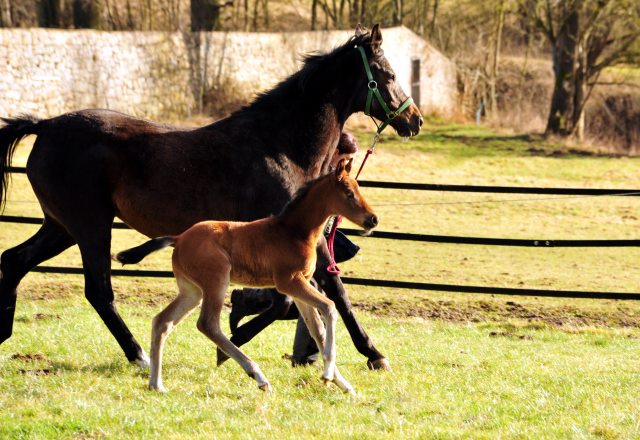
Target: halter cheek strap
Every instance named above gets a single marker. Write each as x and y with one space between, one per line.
333 268
373 90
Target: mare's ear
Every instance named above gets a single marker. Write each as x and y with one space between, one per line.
347 167
376 38
339 170
359 30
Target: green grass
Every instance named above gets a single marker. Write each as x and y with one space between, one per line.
575 373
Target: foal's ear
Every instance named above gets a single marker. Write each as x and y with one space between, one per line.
347 167
376 38
359 30
339 169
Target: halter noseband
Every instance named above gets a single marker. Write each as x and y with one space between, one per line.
373 90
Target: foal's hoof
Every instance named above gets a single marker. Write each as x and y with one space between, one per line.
266 387
222 357
159 389
379 364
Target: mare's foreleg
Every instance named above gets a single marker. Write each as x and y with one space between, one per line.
336 292
189 298
50 240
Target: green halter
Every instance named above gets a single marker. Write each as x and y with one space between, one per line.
373 89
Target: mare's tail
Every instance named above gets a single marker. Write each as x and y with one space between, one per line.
137 254
10 135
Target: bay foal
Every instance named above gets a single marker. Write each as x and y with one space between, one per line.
277 252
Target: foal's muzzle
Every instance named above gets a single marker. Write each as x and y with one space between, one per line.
371 222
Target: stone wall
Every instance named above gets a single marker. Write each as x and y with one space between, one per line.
163 75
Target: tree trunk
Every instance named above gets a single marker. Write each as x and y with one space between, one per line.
265 4
205 15
314 14
433 19
49 13
5 13
398 16
564 58
86 14
493 107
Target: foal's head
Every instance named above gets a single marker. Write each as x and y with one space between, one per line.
346 199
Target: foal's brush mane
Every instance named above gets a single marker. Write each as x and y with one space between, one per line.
313 62
300 194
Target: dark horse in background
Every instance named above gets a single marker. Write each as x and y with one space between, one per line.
88 167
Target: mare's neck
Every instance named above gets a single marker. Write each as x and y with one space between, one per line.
304 123
306 217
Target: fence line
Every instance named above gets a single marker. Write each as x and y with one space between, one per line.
475 188
540 243
424 238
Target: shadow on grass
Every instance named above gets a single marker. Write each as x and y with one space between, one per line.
108 369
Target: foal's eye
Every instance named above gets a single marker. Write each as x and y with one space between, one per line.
350 195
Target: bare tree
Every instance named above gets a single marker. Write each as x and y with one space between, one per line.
586 36
5 13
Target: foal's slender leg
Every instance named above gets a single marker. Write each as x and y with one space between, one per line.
214 289
302 291
246 332
50 240
316 328
333 287
189 298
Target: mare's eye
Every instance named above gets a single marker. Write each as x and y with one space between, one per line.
392 77
350 195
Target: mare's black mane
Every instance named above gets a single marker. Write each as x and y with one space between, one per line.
313 62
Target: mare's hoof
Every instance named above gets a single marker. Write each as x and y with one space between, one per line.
143 363
379 364
266 387
222 357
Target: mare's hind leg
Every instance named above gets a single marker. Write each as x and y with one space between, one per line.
189 298
94 242
50 240
316 328
214 290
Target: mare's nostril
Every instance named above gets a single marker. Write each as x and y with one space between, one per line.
421 121
374 220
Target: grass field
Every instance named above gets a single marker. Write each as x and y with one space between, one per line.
465 366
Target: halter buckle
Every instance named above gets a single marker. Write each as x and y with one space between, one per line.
391 115
375 85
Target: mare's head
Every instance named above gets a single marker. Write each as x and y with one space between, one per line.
346 199
408 121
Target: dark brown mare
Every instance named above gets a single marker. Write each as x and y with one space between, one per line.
276 251
88 167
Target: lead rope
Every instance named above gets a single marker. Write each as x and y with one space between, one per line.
333 268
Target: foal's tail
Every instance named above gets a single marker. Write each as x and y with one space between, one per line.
10 135
137 254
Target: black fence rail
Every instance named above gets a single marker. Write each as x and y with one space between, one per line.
540 243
